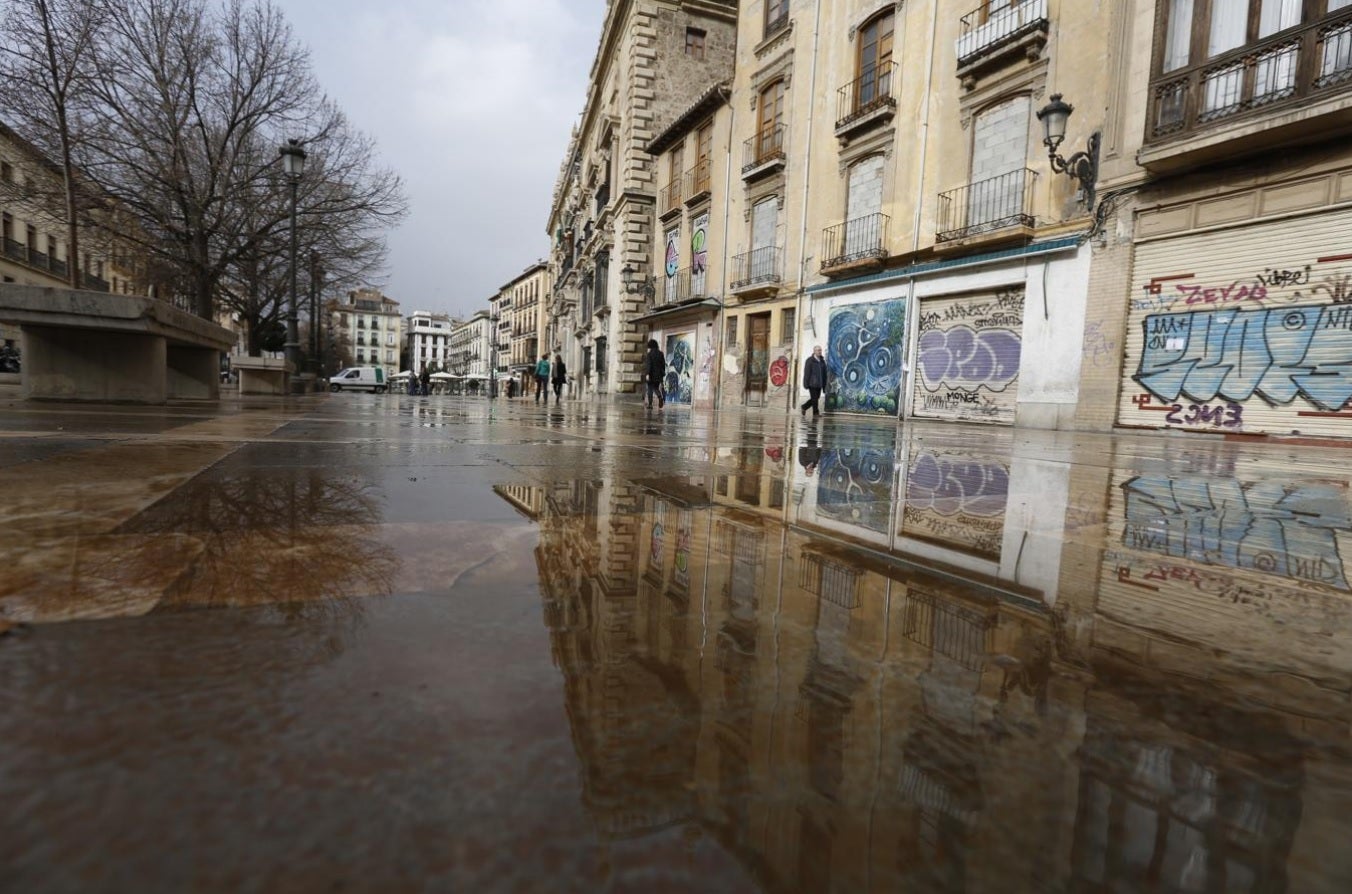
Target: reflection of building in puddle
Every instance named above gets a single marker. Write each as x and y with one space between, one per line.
956 500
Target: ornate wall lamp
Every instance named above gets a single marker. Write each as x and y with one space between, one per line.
647 287
1083 166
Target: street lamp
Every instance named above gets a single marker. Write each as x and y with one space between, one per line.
493 355
1083 166
647 287
293 165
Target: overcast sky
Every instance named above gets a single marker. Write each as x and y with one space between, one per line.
471 102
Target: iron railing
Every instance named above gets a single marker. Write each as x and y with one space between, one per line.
855 240
670 197
96 283
1310 61
986 206
871 91
760 265
985 30
38 260
957 632
765 147
698 179
676 287
835 582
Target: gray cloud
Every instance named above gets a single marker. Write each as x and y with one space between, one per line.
471 102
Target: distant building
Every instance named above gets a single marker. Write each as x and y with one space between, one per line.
371 324
429 340
524 303
471 346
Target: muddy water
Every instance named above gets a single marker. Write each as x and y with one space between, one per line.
399 645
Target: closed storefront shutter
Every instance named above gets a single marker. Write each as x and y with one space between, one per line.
967 358
1243 330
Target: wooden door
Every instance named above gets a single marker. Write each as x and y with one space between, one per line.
757 354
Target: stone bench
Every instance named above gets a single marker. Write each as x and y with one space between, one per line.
263 375
95 346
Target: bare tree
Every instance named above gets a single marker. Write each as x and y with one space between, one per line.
46 51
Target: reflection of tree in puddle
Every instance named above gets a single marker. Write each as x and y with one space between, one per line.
300 539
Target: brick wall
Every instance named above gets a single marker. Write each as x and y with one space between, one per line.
1000 139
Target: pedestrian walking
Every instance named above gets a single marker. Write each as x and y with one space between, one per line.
542 379
655 374
559 377
814 380
424 378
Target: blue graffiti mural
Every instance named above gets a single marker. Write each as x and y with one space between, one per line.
855 486
864 355
1276 354
1284 529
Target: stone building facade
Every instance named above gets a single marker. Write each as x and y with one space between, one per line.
524 303
655 58
429 340
369 322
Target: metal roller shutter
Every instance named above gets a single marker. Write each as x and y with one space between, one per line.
967 357
1243 330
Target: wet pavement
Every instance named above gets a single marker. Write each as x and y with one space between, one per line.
384 643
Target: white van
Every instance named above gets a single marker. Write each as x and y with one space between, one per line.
356 378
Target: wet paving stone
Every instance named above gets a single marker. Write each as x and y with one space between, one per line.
386 643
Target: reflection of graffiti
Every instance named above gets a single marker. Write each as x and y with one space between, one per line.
1276 354
958 501
864 356
658 544
855 486
1284 529
779 372
681 570
680 368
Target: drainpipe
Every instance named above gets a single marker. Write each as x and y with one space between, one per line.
721 325
807 179
912 311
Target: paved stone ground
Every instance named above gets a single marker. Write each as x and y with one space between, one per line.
384 643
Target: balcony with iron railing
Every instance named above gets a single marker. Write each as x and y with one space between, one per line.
764 153
17 251
855 243
1291 86
698 181
989 37
756 269
677 287
867 100
669 199
1000 207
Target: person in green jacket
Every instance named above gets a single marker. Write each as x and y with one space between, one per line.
542 378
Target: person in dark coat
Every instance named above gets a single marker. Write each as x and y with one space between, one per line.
814 380
655 374
424 379
559 377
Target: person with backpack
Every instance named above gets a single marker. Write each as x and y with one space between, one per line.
655 374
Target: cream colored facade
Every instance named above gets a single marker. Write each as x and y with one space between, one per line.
524 305
655 58
1218 283
372 326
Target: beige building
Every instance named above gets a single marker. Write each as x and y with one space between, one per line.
369 322
524 305
1221 274
429 340
655 58
34 238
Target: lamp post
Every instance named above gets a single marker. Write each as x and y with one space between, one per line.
1083 166
493 354
293 165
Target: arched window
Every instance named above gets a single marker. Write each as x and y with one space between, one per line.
874 62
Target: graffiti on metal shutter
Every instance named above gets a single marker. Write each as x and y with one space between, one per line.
680 367
967 357
864 354
1225 339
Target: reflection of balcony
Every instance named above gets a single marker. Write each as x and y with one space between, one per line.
957 632
756 269
764 153
866 101
999 205
669 199
697 181
856 242
991 37
1289 87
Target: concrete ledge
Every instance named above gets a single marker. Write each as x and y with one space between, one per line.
263 375
96 346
